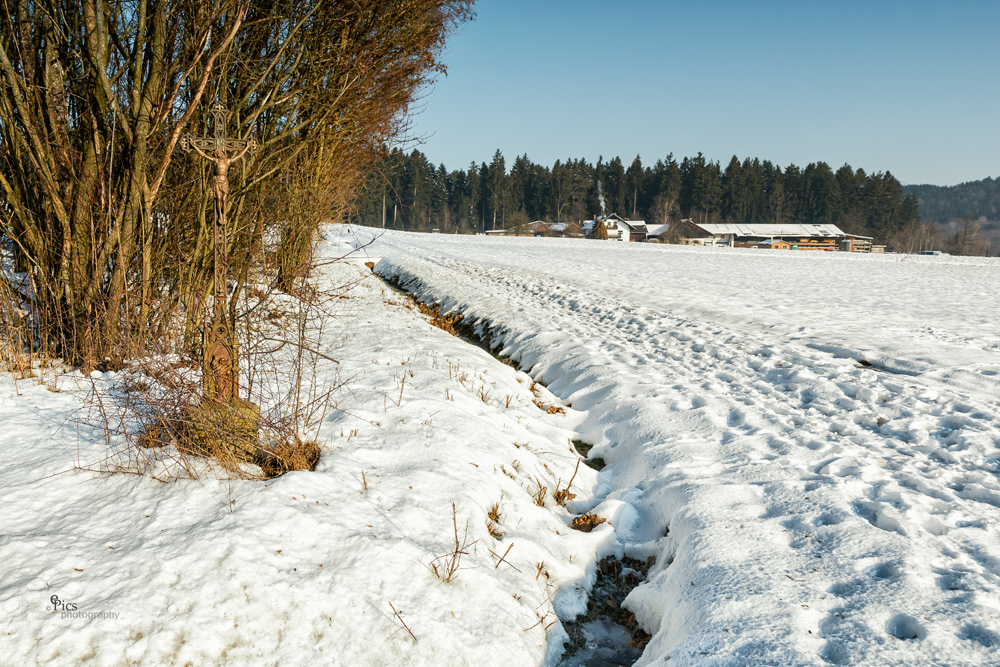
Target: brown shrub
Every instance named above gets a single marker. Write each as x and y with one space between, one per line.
586 522
289 456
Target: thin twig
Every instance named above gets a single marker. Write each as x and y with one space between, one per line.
577 468
405 627
504 556
305 347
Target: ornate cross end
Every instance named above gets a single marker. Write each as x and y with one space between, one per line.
186 143
220 115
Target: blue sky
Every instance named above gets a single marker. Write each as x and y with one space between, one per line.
907 87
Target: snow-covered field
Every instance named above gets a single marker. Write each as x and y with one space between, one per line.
308 568
819 432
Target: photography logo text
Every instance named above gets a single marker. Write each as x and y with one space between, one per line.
71 610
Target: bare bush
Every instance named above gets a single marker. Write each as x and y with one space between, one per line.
157 420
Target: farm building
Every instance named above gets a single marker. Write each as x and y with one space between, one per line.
776 237
619 229
570 229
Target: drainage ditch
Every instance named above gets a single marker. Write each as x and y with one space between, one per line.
607 635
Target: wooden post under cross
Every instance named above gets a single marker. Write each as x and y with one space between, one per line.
220 372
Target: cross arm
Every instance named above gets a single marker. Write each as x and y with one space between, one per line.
251 147
189 143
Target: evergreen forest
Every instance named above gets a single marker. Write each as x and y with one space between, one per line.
409 192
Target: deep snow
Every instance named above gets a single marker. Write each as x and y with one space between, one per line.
819 432
304 569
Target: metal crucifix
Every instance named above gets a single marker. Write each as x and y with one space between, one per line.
220 373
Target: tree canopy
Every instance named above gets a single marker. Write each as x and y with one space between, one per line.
95 203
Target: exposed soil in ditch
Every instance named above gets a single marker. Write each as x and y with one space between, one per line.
597 463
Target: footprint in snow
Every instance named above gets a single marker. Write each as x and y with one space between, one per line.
904 626
883 571
980 635
874 513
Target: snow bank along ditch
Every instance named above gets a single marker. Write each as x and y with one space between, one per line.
431 440
825 453
606 634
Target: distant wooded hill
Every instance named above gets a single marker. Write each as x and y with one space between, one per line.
975 199
967 215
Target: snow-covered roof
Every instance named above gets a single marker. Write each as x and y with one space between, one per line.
634 225
550 226
613 220
768 231
656 230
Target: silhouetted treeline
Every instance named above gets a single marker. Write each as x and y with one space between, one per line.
409 192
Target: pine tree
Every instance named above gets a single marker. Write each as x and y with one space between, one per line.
634 182
615 188
496 185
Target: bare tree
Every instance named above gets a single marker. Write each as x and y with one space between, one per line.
114 230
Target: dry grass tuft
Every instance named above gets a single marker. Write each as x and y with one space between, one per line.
539 494
563 496
549 409
232 434
494 530
586 522
484 394
444 322
493 519
288 456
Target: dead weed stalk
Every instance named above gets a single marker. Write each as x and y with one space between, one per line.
562 496
538 495
450 563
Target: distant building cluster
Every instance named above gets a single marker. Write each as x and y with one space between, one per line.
613 227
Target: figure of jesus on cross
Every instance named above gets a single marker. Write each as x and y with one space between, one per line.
220 373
